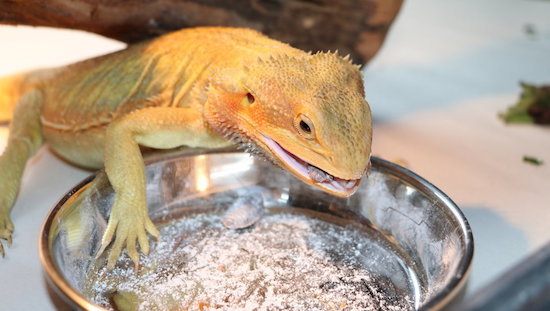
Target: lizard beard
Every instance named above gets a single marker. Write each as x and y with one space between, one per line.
245 143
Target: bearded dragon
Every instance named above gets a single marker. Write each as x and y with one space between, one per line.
203 87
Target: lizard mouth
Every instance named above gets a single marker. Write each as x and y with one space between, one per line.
312 174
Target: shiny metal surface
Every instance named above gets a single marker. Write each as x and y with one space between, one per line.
427 244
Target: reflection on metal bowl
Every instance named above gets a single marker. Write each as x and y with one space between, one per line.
399 243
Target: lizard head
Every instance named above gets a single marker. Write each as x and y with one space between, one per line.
307 113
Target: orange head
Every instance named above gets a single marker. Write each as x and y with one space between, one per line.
307 113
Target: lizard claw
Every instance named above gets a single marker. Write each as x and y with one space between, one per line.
6 230
126 232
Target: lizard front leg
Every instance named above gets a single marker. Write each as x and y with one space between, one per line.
24 139
157 127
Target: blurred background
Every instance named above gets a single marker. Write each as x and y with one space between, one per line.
436 88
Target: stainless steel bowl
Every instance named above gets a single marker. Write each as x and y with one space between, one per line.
418 243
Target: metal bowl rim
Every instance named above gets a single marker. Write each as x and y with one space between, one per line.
453 287
440 299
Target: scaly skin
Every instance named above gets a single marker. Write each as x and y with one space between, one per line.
203 87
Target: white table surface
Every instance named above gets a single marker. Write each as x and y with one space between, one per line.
446 70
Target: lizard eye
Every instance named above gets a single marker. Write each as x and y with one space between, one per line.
305 126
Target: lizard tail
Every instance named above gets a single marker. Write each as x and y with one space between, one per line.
11 89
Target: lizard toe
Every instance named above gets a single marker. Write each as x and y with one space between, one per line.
6 231
6 235
143 241
151 228
131 249
107 236
130 232
116 249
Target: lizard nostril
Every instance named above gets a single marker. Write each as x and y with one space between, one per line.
305 126
250 98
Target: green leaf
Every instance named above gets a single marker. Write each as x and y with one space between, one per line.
532 160
533 106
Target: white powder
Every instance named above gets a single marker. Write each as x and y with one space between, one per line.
283 262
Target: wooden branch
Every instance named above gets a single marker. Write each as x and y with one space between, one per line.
357 27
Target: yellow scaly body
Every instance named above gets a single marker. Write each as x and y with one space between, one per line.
202 87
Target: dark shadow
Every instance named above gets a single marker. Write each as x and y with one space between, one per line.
524 287
59 303
498 245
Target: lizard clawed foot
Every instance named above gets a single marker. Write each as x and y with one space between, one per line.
6 229
127 231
